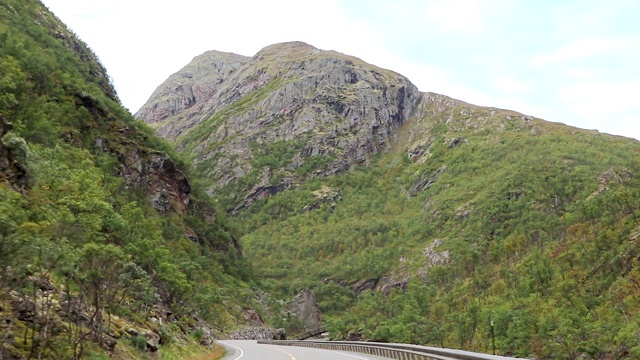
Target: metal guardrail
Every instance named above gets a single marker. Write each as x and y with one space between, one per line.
309 333
393 351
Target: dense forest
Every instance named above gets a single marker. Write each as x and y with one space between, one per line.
103 239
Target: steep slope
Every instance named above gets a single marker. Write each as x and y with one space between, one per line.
289 112
449 217
189 87
480 215
105 244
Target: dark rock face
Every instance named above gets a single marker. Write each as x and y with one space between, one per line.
260 191
340 108
167 186
364 285
304 306
358 286
253 318
426 180
24 308
154 172
5 162
457 141
388 283
13 158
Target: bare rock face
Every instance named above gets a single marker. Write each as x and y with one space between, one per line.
330 110
155 173
304 306
167 187
394 281
191 85
252 318
258 333
357 286
324 195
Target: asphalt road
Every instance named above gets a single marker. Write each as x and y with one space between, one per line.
250 350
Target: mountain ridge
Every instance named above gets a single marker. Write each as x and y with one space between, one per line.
297 91
212 63
424 220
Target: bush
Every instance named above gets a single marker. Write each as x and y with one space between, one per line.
139 342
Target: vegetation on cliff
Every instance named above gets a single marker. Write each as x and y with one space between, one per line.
457 217
104 243
270 121
533 227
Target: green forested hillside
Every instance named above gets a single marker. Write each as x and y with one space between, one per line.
412 216
505 218
100 230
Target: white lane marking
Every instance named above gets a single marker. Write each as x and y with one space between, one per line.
235 347
353 356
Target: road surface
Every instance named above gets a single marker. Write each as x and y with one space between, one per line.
250 350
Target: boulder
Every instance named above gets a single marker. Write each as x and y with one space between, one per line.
305 307
153 340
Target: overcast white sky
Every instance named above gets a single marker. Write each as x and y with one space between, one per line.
571 61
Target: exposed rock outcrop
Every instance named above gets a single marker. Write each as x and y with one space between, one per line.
152 340
358 286
324 195
615 175
426 180
334 110
192 85
434 256
258 333
394 281
13 158
304 306
153 172
253 318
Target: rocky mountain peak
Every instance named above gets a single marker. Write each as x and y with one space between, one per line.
192 84
292 48
288 112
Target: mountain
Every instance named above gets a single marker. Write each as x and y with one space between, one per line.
289 112
414 217
107 246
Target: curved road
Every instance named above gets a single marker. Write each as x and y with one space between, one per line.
251 350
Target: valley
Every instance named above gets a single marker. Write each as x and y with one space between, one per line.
267 195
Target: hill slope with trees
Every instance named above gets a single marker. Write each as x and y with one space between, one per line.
106 245
415 217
